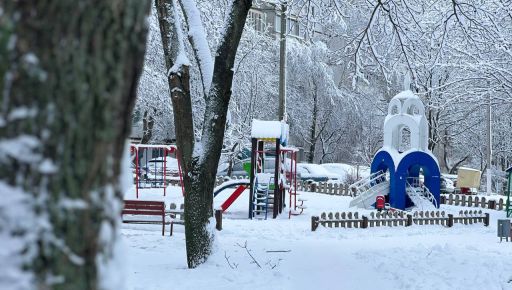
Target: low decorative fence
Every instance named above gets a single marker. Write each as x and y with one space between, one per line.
326 188
174 182
398 218
472 201
319 187
221 179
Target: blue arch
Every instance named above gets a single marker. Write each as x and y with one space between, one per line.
409 166
382 161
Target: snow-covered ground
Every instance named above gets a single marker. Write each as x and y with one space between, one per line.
293 257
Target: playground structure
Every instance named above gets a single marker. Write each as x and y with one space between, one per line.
154 166
404 170
268 189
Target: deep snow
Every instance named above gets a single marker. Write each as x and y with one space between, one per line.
418 257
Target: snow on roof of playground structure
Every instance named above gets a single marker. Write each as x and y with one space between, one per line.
267 129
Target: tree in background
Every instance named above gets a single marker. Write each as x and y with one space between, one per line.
375 50
67 88
153 121
200 157
312 94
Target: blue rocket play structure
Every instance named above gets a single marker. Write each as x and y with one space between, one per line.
403 170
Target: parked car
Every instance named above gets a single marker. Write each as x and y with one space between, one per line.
237 170
155 167
346 172
238 167
452 177
447 185
314 173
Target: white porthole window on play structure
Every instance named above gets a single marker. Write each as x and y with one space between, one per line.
394 110
413 110
405 139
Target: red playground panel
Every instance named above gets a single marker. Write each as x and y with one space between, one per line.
232 197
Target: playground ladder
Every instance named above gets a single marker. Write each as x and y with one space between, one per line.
262 196
365 184
421 197
366 199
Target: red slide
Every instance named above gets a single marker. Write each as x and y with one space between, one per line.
233 197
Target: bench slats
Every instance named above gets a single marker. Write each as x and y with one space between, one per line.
150 207
143 202
143 222
143 207
142 212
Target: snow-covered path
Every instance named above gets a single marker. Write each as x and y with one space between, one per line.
418 257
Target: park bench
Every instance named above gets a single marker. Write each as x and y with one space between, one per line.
177 216
145 208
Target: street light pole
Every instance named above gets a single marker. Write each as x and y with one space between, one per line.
489 143
282 65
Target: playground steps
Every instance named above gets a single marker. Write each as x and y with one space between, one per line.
263 196
367 183
367 198
421 197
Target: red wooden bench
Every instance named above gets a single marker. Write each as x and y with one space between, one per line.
148 208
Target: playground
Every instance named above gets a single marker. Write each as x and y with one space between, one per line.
390 230
416 257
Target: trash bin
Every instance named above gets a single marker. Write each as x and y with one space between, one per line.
380 202
504 229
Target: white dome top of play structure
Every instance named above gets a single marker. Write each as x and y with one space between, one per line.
405 126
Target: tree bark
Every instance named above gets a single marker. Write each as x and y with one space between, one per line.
313 137
200 159
147 128
68 78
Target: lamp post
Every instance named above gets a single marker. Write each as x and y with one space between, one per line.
282 65
489 143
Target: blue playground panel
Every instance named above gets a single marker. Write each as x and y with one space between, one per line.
408 167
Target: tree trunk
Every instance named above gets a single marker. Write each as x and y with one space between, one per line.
147 128
200 160
68 78
312 131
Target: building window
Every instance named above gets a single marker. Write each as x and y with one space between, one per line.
277 23
292 25
256 19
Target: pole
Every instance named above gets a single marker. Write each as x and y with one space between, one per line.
277 191
282 65
252 174
489 143
137 171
